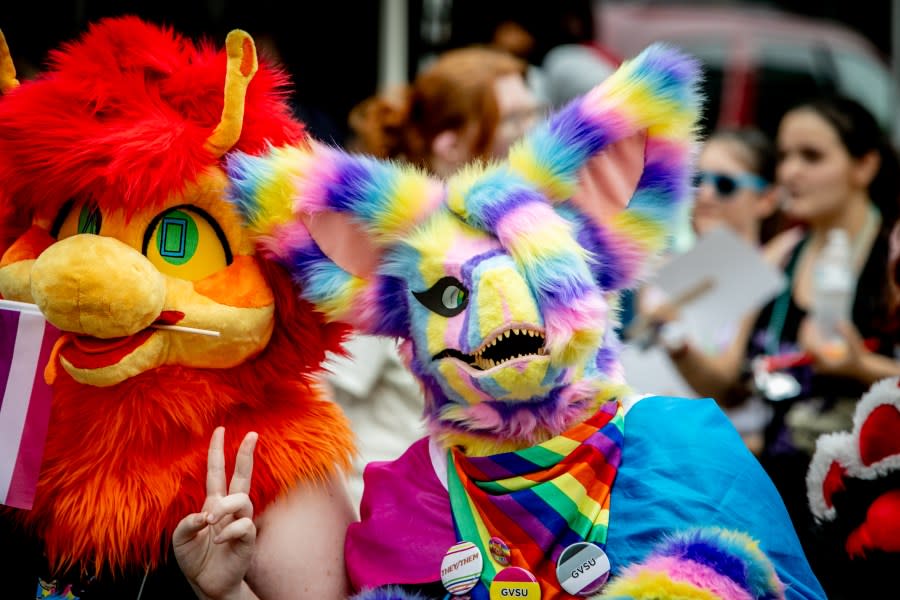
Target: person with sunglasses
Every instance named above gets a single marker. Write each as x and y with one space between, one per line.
835 169
734 189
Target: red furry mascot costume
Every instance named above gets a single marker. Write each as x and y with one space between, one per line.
115 221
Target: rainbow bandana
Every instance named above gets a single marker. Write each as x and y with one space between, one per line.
541 499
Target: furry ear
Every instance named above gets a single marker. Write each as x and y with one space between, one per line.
7 69
329 217
617 160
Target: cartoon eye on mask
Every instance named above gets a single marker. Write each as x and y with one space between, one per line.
448 297
186 242
69 222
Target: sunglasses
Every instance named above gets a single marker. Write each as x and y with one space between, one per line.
727 185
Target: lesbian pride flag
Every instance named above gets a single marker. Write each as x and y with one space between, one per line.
26 340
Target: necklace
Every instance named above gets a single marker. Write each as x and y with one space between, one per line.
780 308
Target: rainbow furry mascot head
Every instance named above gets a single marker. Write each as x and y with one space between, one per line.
503 283
113 192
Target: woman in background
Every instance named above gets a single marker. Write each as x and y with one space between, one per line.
734 189
837 171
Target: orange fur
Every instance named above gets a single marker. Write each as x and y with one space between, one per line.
29 246
123 464
120 118
237 285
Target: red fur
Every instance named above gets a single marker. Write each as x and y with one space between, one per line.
121 117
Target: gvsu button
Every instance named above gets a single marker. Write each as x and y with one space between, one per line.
582 568
514 583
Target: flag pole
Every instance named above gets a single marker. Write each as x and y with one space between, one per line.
25 307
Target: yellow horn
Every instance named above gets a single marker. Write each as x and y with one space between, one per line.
240 70
7 69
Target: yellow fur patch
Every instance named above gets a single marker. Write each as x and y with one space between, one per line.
503 297
652 585
523 161
521 385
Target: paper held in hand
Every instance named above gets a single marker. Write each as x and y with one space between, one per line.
734 275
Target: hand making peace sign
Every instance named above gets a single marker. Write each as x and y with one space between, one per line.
214 547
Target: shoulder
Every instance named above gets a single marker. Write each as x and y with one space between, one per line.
674 417
684 465
404 507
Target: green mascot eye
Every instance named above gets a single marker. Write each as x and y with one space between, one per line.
187 243
448 297
89 219
453 297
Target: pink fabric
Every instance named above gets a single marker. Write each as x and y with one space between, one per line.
405 539
26 343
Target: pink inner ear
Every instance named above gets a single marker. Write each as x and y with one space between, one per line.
345 242
878 435
607 181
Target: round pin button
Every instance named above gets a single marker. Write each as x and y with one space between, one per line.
515 583
461 568
499 550
582 568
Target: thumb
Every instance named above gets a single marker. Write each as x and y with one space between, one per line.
188 528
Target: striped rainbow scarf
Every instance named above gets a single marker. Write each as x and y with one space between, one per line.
539 500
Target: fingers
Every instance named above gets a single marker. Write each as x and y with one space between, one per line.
242 530
215 464
188 528
236 505
243 465
850 333
808 335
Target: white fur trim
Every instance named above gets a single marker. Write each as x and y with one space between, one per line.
843 448
830 448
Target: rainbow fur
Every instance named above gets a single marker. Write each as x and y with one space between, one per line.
706 564
529 350
387 593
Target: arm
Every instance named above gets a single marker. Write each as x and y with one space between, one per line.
293 550
850 359
717 375
300 544
714 376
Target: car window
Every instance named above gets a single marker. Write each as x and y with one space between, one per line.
785 74
869 83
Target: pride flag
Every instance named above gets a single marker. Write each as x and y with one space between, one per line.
26 340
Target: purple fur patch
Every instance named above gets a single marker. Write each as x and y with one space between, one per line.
390 592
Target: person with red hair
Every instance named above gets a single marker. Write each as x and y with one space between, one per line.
469 103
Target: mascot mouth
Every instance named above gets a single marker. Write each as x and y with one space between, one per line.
88 352
508 345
